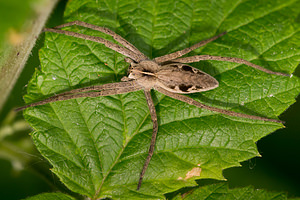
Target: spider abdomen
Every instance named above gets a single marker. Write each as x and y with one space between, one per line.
182 78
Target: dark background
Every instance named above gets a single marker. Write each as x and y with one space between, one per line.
277 169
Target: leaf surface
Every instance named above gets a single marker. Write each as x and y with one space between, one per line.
221 191
97 146
50 196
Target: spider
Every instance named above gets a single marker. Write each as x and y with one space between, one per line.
167 74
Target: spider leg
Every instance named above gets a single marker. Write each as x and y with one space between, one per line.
111 45
180 53
153 138
107 31
228 59
67 96
129 60
200 105
107 86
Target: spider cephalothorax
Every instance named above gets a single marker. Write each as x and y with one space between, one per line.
167 74
144 73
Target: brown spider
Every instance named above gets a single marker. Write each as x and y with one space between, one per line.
166 74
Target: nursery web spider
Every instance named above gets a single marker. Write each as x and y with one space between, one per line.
167 74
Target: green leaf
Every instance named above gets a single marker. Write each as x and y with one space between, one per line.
51 196
97 146
221 192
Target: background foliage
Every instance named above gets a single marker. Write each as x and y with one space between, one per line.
220 70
